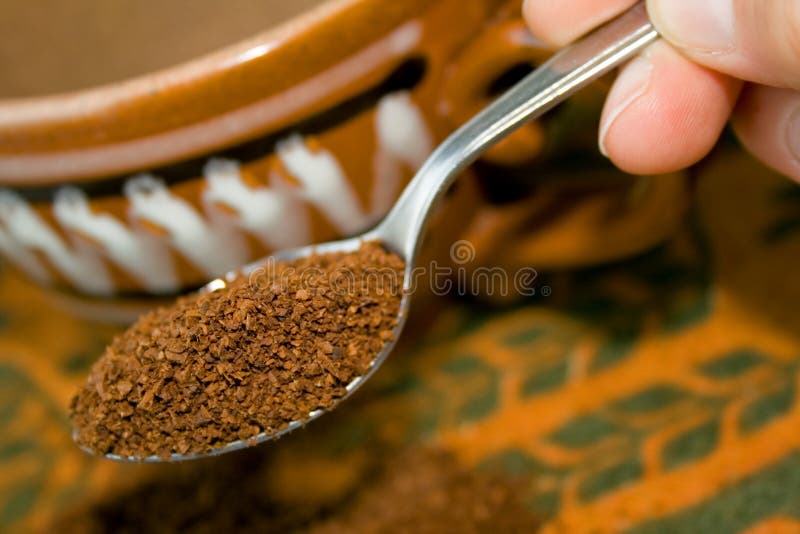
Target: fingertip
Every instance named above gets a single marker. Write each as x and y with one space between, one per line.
538 15
632 82
753 40
559 22
672 121
767 122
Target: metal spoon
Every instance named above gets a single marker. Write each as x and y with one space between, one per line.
401 231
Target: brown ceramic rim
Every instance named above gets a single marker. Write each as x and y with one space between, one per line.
214 102
407 75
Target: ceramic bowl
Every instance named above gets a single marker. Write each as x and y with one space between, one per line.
126 187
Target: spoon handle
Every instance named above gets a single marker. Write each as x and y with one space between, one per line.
564 74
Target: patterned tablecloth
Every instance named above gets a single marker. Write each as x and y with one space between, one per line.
656 395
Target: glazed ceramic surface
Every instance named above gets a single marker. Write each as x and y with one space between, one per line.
305 132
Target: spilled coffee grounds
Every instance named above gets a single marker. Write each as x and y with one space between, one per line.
428 491
418 490
249 358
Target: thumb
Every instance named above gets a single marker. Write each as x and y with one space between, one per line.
755 40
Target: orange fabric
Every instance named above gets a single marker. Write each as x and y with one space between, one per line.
659 394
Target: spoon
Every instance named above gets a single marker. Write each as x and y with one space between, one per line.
401 230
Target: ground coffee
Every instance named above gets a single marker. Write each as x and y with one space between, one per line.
426 491
251 357
419 490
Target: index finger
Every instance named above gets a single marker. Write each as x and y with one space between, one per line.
559 22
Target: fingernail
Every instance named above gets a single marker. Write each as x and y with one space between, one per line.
793 134
698 25
632 82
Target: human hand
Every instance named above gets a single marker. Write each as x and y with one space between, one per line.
720 59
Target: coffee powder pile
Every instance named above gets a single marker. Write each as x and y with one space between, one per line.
418 490
252 357
428 491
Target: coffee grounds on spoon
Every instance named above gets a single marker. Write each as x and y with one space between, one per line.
252 357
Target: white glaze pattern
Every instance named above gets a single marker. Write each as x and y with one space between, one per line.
161 224
210 243
403 140
275 215
136 251
322 183
23 258
77 261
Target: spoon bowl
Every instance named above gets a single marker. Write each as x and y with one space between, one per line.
402 229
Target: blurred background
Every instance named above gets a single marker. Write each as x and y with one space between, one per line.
650 383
